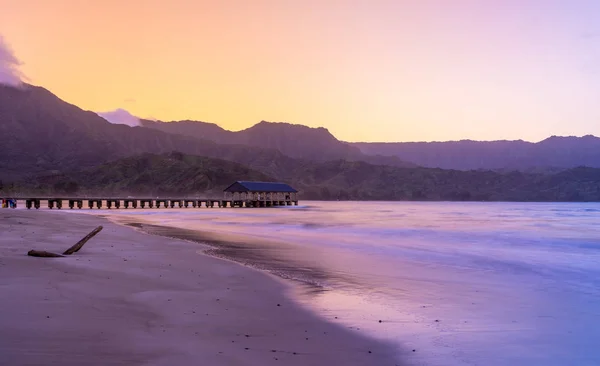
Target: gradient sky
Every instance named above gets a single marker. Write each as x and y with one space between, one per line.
372 70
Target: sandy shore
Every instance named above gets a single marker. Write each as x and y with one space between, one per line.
128 298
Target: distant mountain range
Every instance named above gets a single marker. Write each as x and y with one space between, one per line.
318 144
296 141
554 152
42 134
49 145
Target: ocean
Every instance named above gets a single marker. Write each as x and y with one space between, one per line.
449 283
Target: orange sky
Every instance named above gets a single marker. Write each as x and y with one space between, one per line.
366 70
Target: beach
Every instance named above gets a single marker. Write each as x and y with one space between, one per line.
128 298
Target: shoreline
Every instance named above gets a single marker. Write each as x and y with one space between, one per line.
132 298
232 248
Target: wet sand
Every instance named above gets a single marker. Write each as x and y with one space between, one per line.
278 258
128 298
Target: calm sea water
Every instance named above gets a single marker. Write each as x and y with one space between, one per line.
460 283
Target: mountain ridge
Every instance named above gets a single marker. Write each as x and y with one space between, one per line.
42 133
294 140
553 152
463 154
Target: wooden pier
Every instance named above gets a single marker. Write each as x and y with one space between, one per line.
239 194
141 203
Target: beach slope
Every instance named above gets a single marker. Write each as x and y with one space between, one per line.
128 298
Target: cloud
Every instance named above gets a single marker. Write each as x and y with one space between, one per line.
129 100
121 117
9 66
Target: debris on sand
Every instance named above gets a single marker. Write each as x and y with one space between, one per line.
42 253
75 248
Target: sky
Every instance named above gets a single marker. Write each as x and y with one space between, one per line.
368 70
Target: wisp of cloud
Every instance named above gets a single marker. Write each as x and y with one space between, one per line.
9 66
120 116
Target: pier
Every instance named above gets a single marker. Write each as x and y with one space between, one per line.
140 203
239 194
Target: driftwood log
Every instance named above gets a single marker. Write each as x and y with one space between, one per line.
75 248
42 253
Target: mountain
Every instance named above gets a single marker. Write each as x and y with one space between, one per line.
177 174
43 134
173 174
297 141
553 152
49 145
318 144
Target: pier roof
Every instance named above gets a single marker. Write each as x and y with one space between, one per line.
245 186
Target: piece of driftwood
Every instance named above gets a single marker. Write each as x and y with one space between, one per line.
76 247
43 253
71 250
